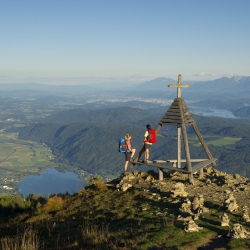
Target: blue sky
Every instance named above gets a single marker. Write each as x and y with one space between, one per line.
93 41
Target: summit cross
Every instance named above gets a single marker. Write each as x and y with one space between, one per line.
179 86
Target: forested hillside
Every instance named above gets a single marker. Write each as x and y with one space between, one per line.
94 146
110 115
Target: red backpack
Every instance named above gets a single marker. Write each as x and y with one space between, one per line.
151 136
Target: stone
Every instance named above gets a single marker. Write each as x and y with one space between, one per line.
239 232
205 210
195 203
179 217
136 173
209 170
191 226
125 187
198 201
178 190
224 220
186 207
208 181
245 216
230 203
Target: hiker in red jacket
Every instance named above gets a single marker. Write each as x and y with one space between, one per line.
147 143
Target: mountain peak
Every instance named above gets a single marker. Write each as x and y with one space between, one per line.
237 78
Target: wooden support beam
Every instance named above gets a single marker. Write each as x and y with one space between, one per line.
202 164
185 140
203 142
160 166
184 170
160 174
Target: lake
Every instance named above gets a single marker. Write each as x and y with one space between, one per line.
211 112
51 181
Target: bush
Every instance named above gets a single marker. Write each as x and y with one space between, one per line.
97 183
53 203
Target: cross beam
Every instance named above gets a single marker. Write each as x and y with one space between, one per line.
179 86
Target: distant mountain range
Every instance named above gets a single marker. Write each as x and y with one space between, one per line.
236 84
223 85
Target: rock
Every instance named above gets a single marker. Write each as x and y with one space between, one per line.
191 226
239 232
136 173
125 187
230 203
195 203
208 181
184 218
186 208
224 220
245 216
178 190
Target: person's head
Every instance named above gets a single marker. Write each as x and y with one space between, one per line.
127 137
148 127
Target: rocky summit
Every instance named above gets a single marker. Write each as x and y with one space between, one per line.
224 193
215 186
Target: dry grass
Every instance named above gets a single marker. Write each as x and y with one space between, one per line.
28 240
94 234
54 203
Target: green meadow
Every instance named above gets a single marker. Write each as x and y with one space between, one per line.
214 140
19 155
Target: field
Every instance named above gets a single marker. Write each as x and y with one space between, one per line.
214 140
18 155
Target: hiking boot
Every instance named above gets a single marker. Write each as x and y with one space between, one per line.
145 161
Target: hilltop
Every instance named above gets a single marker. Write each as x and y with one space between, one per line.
135 211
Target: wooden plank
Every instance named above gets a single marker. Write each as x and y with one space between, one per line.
202 164
160 166
177 119
173 109
159 161
184 160
179 85
171 116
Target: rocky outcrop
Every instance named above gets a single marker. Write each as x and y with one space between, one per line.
216 187
239 232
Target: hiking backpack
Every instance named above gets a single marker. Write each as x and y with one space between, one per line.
122 147
151 136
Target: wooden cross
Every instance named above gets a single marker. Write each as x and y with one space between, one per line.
179 86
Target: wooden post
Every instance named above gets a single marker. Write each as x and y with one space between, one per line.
160 174
201 173
179 86
185 140
179 147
